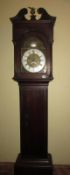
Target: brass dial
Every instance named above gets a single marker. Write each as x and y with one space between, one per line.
33 60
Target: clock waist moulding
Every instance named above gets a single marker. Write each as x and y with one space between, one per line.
33 39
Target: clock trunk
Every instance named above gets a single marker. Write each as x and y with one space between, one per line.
34 120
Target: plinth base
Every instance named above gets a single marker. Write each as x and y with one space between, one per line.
34 166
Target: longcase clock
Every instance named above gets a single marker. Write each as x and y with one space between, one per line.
33 39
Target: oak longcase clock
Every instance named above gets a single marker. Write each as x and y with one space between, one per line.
33 40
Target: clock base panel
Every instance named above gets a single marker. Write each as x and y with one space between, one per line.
33 166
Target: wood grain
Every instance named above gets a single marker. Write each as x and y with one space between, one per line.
8 169
62 170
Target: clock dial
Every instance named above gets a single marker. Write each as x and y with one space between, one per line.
33 60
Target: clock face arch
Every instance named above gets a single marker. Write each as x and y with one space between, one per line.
33 60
